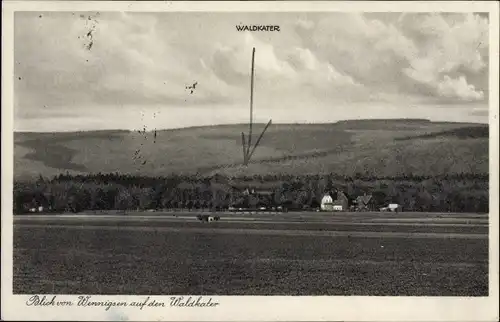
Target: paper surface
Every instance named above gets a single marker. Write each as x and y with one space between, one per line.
250 161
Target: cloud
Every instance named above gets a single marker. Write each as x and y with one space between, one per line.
232 63
416 54
315 71
284 76
450 41
367 50
458 88
276 69
129 63
328 62
447 48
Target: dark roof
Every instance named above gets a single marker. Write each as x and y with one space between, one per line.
363 200
343 193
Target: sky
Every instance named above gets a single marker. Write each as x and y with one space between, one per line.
320 67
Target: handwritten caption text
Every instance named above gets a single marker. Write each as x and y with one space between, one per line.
148 302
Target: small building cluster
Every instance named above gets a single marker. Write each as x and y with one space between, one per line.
344 202
341 203
35 202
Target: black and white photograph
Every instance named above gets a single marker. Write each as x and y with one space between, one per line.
198 154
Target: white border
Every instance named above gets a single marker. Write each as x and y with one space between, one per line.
255 308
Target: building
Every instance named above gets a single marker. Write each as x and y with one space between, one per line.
342 202
327 203
394 207
365 203
338 205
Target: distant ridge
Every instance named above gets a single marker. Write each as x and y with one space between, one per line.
409 120
226 125
107 131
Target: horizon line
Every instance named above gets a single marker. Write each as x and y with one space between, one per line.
245 124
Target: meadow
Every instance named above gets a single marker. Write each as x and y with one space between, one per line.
376 147
62 260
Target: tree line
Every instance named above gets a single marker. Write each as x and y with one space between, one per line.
447 193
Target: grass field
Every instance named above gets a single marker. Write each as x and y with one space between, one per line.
144 256
378 147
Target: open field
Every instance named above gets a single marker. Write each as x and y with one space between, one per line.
243 254
377 147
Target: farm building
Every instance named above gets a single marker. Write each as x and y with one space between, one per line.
394 207
327 203
341 203
338 205
342 200
365 203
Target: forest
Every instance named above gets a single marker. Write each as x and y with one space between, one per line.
113 191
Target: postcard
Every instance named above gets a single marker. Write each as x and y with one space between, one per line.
250 161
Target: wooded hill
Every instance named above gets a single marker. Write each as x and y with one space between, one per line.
369 147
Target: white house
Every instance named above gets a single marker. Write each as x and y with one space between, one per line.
327 203
394 207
